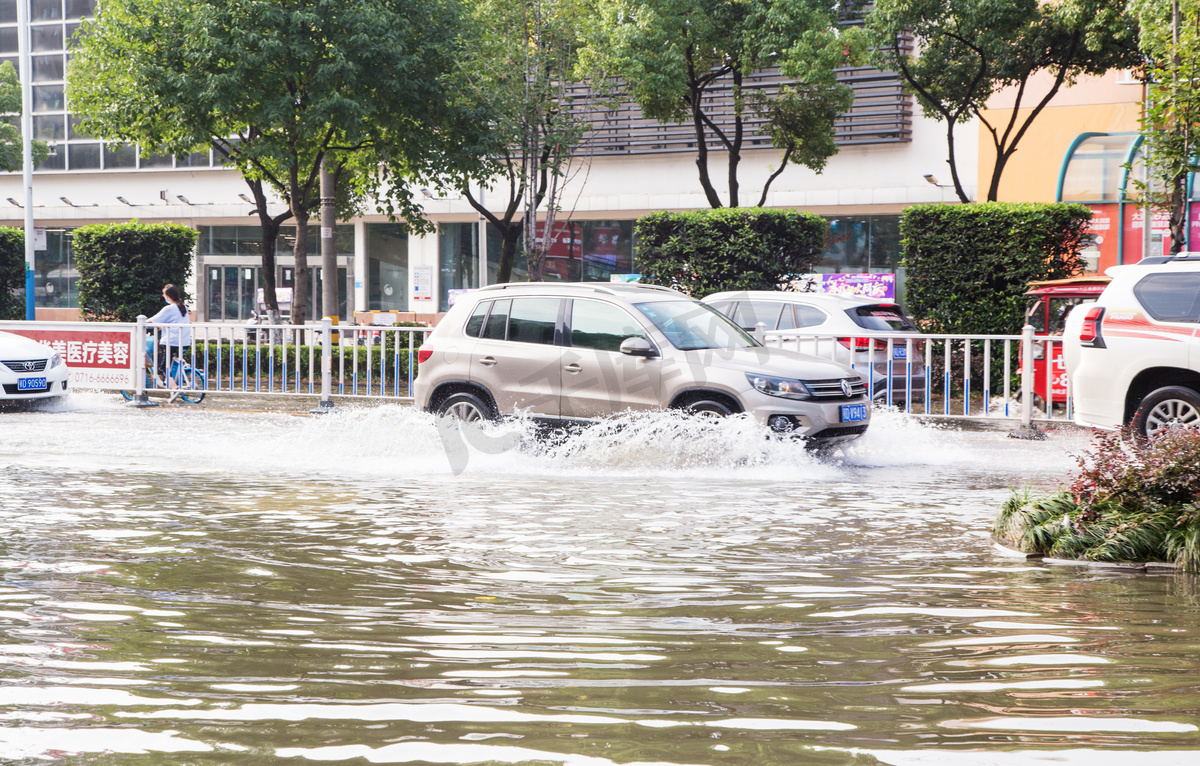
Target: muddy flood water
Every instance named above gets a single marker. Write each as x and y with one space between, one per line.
195 586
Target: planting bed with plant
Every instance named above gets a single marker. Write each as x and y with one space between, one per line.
1132 501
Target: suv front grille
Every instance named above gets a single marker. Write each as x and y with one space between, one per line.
33 365
831 390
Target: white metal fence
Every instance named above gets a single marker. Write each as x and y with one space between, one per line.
322 360
951 376
1003 377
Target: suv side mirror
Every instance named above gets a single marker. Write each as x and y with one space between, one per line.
638 347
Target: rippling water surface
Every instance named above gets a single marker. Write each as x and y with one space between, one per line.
203 587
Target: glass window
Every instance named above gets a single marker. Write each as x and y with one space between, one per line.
48 98
149 160
458 260
83 156
882 316
56 161
1094 170
690 325
497 321
475 323
533 320
78 9
787 320
48 37
48 68
55 277
50 127
9 41
602 326
8 11
120 156
749 313
1170 297
809 316
45 10
387 267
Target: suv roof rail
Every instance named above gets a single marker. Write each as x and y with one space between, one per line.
1154 260
600 287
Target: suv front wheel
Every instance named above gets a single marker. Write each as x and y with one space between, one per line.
1166 407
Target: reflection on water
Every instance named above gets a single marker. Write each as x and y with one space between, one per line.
291 589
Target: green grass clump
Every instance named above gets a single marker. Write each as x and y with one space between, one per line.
1132 501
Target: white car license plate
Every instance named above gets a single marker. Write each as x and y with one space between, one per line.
853 413
31 384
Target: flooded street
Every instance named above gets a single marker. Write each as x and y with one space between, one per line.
192 586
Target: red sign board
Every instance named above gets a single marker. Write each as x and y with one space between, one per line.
96 358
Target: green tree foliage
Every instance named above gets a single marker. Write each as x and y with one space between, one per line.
277 85
10 122
710 251
968 266
123 267
518 68
671 54
968 50
1170 123
12 272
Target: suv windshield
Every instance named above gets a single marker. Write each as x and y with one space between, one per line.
691 325
881 316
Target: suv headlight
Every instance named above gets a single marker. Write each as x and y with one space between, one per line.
784 387
55 361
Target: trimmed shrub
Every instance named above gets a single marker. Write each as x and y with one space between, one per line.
709 251
12 272
968 266
123 267
1132 501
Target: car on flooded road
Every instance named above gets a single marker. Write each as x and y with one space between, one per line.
569 352
29 370
850 329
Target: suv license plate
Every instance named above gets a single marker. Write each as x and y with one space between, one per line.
30 384
899 352
853 413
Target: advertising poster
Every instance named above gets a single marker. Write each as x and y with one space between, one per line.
96 358
880 287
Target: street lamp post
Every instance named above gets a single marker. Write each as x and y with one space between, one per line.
27 149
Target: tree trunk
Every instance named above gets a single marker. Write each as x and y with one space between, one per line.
270 236
510 236
1178 214
301 290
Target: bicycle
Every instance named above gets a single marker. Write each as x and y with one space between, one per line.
190 383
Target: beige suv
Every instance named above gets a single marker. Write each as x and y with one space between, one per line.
567 352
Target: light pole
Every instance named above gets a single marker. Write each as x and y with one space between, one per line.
26 149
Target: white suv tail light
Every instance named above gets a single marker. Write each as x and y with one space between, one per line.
1090 335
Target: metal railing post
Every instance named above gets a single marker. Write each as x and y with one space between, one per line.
1027 430
137 355
326 402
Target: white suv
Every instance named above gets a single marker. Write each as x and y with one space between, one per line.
566 352
1133 356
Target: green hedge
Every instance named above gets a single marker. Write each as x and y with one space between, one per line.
968 266
12 272
709 251
123 267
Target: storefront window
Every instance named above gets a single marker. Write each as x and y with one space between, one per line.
55 277
580 251
387 267
861 244
458 260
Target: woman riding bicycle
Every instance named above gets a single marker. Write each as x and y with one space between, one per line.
176 341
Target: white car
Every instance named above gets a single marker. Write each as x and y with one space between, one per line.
29 370
850 329
1133 356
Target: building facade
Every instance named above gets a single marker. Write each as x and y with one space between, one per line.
630 166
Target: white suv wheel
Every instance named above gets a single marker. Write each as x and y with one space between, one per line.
465 407
1167 407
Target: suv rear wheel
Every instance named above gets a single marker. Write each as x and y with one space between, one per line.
1166 407
466 407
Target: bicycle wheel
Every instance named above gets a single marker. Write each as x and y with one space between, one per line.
192 385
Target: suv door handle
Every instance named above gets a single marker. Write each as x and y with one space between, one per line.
573 368
487 361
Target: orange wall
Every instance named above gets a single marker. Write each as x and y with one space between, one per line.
1031 174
